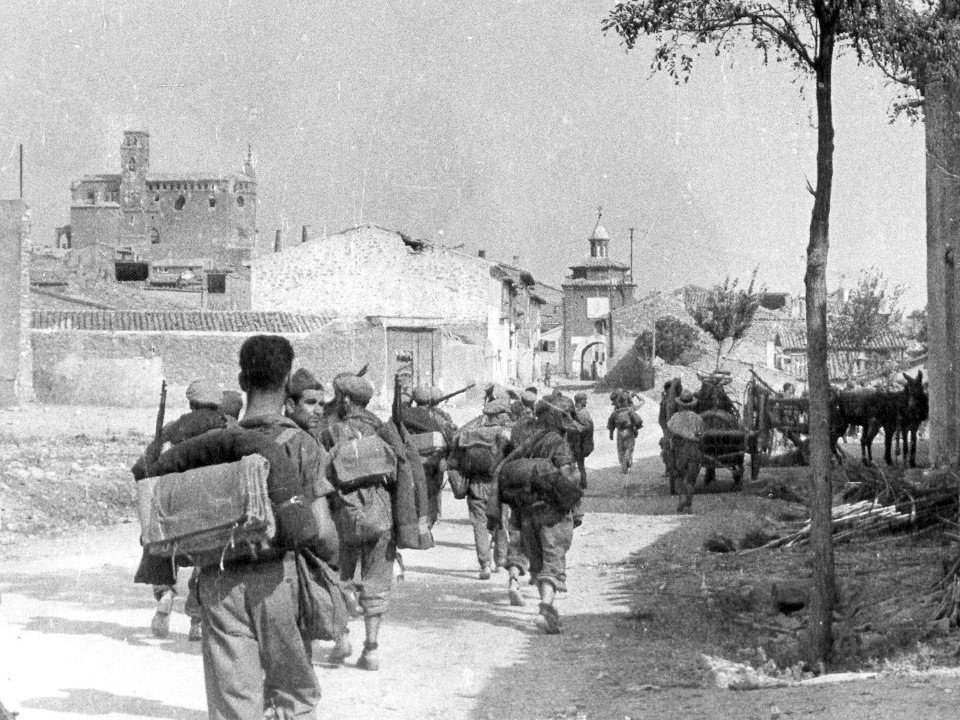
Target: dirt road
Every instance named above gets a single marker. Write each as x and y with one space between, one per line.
75 638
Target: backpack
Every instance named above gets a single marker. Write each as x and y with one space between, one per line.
527 481
208 515
625 419
361 461
430 434
477 449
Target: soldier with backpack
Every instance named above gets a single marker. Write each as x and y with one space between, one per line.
540 482
585 436
364 453
205 399
626 423
476 451
254 652
426 417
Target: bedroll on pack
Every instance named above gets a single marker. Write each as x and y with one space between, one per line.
428 444
477 449
208 515
527 481
362 462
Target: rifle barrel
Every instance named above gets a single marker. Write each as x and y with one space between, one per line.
453 394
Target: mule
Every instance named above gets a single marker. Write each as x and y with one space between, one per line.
851 408
915 410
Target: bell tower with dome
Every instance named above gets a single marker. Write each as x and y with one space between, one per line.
595 288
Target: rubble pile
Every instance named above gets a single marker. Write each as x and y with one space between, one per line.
55 485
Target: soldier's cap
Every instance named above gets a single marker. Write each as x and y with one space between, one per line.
204 392
303 380
580 397
496 407
356 388
426 394
532 389
496 391
528 398
554 403
232 403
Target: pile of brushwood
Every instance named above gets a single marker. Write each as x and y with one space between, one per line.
878 501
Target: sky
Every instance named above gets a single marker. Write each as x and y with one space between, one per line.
496 124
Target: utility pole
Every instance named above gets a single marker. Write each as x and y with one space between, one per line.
653 343
21 171
631 255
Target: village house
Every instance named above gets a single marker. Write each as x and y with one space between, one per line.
448 317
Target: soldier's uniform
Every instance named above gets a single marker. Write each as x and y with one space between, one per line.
543 533
364 517
435 468
626 423
486 516
206 413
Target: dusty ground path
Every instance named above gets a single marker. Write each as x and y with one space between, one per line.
75 639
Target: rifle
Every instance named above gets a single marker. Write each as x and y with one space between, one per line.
450 395
395 410
363 371
161 411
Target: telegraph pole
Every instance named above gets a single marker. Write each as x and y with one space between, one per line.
631 255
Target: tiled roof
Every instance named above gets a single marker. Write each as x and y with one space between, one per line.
796 339
599 262
185 321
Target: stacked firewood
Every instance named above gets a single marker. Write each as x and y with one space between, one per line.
884 503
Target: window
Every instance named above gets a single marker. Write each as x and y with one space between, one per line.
213 202
132 164
548 346
216 283
154 236
156 198
239 200
91 198
180 202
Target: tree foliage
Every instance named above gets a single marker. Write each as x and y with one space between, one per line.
728 312
871 310
674 340
806 34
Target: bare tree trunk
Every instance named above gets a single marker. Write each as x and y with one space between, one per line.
941 108
822 596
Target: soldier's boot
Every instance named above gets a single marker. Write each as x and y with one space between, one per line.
485 571
160 625
549 619
513 592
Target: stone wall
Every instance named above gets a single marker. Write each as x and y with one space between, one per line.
101 367
369 271
15 357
